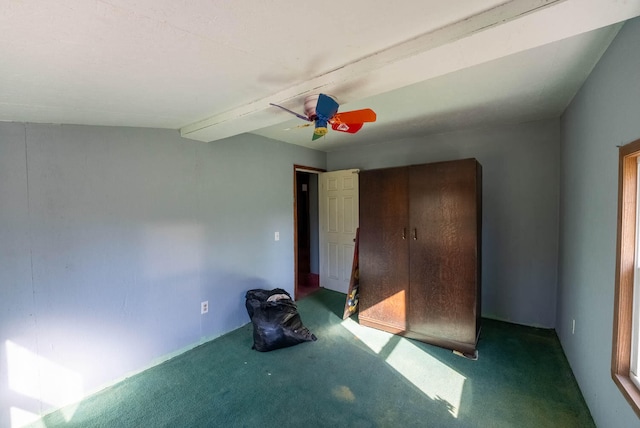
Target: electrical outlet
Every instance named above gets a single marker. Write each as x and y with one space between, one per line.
204 307
277 236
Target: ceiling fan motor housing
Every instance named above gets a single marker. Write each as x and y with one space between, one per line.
310 103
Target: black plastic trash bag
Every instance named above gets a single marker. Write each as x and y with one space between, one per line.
275 318
257 296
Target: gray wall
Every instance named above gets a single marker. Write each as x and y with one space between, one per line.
604 114
111 237
520 212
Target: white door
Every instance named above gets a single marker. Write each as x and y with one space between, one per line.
338 208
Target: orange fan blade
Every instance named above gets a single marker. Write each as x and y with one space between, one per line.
355 116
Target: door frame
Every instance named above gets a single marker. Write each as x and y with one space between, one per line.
310 170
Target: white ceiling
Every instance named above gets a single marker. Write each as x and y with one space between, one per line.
211 68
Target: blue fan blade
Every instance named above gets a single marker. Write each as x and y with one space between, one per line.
326 108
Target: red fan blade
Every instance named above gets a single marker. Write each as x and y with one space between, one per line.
356 116
351 128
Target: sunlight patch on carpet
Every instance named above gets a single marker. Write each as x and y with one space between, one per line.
437 380
374 339
344 393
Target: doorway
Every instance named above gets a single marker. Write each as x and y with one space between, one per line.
306 231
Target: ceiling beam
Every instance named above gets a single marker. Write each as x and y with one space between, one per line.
488 35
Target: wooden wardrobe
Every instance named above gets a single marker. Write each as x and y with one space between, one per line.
419 252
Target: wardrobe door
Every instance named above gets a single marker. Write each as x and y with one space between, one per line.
383 249
443 262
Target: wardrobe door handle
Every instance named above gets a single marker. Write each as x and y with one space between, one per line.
415 234
404 233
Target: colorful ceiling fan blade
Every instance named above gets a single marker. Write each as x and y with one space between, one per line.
355 116
350 128
322 110
319 132
292 112
352 121
326 108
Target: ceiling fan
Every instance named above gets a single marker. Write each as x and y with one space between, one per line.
322 110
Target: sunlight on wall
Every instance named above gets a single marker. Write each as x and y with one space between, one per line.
38 378
20 418
171 250
437 380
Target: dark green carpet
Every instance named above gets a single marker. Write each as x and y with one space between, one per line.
521 379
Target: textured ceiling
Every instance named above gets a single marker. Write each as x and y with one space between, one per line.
210 69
